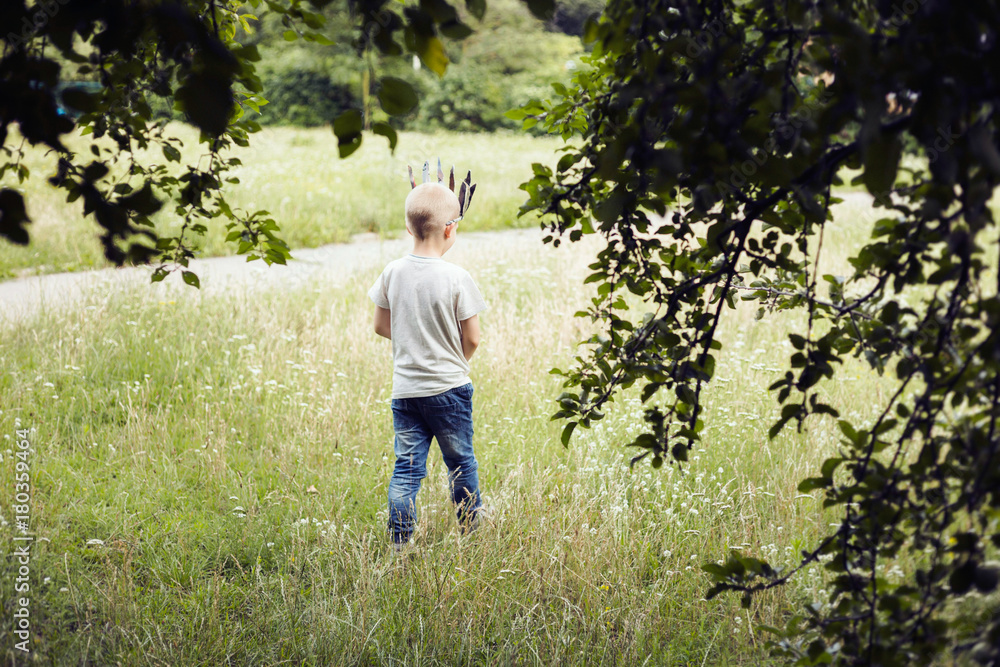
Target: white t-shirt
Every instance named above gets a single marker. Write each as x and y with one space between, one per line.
427 298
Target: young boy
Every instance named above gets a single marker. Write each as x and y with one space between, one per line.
428 308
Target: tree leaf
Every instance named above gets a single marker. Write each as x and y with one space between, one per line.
567 433
171 153
388 131
477 8
396 96
142 201
455 30
13 217
881 164
542 9
347 127
432 54
207 100
191 279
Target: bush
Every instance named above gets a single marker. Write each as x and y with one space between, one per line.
467 99
303 96
501 67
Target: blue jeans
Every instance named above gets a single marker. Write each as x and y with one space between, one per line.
447 417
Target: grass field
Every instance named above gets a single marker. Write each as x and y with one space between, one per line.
295 174
209 473
209 479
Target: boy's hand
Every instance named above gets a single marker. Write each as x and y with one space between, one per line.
383 322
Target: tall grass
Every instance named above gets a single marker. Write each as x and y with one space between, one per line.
210 476
315 196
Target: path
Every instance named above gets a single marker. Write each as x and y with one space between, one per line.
22 298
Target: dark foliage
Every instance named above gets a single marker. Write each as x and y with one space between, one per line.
705 147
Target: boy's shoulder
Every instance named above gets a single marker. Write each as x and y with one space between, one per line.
436 265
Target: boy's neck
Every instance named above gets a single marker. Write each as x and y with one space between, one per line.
428 248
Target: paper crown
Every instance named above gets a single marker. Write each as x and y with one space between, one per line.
465 191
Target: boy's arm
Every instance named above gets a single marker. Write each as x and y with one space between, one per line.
383 322
470 336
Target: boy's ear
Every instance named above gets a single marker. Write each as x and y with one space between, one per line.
449 230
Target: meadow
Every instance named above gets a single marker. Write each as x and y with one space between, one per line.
209 470
294 173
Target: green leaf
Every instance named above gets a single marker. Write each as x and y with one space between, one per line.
81 101
848 430
171 153
813 483
191 279
432 54
477 8
881 164
718 572
95 171
388 131
962 578
542 9
290 35
455 30
567 433
830 466
347 127
348 123
13 217
206 97
143 201
396 96
775 429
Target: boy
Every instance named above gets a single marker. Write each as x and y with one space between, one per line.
429 309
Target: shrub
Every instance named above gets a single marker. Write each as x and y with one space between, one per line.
303 96
467 99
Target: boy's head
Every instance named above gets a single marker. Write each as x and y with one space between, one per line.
429 206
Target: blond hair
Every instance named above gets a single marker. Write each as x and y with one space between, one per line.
428 207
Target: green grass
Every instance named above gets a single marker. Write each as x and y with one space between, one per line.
232 457
315 197
209 472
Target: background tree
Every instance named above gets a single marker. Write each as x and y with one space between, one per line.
510 58
705 146
110 69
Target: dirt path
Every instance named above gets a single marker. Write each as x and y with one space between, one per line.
23 298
